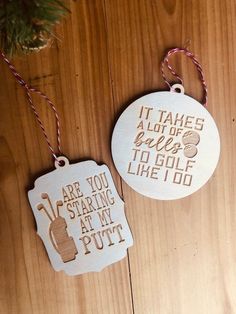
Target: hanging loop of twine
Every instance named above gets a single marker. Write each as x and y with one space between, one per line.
30 89
189 54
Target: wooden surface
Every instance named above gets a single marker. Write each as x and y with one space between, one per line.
184 255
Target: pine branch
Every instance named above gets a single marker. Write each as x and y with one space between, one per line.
26 25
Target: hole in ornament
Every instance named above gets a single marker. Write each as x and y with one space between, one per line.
177 90
61 163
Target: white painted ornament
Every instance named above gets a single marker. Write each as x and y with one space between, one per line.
80 217
166 145
79 214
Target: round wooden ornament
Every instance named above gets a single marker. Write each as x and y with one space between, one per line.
166 145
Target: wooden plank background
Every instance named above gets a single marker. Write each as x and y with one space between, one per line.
184 257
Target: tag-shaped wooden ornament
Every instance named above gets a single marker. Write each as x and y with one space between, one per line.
166 145
79 214
80 217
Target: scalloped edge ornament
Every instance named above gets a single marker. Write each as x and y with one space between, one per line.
80 217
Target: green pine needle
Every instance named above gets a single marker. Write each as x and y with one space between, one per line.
27 25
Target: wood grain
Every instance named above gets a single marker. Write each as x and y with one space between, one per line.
184 258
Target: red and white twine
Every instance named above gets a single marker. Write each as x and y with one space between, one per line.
28 90
189 54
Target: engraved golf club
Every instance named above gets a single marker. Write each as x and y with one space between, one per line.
42 207
58 204
46 197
